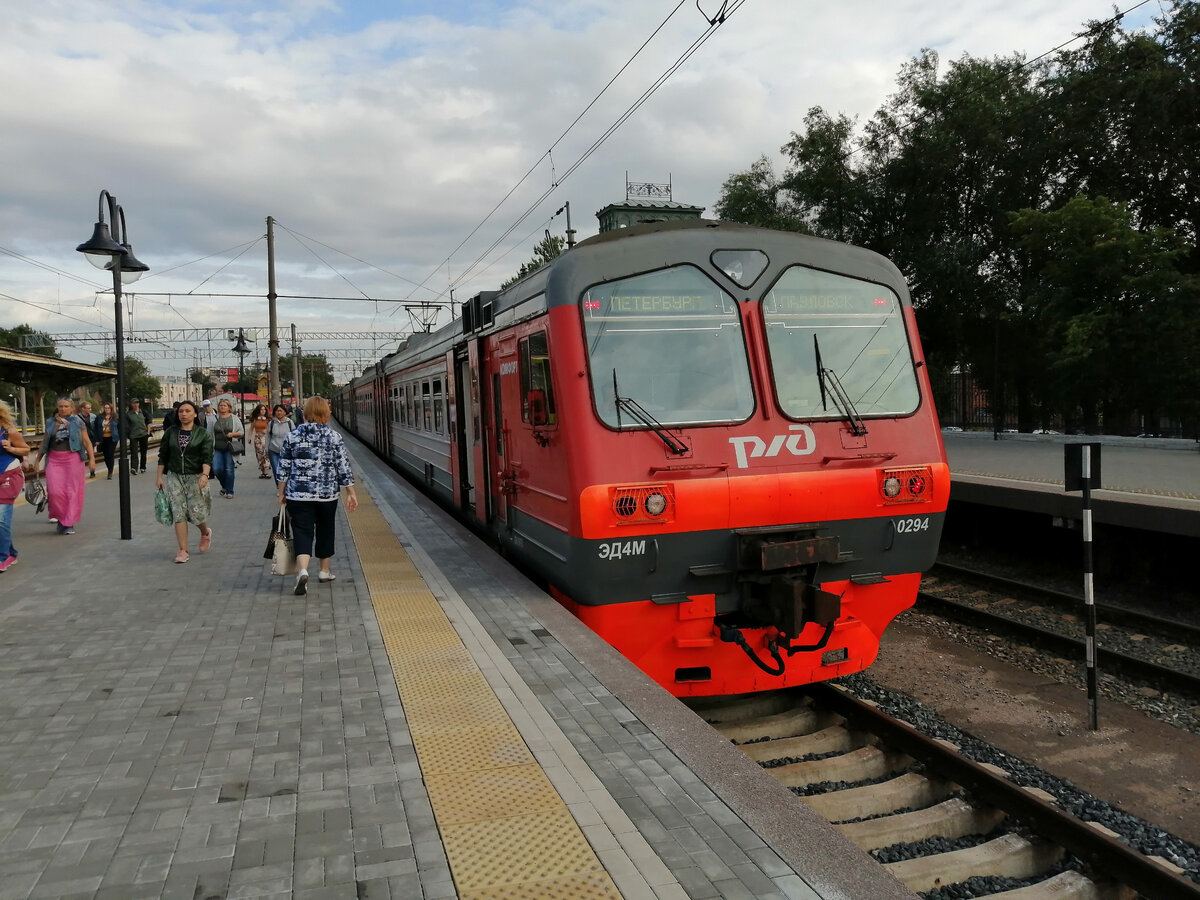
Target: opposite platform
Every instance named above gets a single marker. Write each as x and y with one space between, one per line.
1151 484
198 731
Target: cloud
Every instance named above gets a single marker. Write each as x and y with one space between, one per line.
390 131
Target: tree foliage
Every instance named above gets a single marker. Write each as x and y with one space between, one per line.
1045 214
546 250
314 370
139 382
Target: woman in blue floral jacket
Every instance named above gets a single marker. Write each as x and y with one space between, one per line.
313 468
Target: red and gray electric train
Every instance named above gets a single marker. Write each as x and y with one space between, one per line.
715 443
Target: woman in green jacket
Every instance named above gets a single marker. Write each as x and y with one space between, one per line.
185 456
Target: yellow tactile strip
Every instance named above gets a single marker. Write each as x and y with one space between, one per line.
507 832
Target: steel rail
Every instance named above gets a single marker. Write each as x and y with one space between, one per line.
1118 615
1131 666
1116 859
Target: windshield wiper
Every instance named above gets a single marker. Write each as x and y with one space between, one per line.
840 398
643 417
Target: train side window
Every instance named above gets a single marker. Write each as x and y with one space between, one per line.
438 406
426 407
537 390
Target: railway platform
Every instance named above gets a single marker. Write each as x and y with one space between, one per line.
428 725
1149 484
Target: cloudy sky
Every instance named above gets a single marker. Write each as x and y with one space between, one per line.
404 147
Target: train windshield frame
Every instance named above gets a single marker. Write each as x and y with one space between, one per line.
822 326
672 342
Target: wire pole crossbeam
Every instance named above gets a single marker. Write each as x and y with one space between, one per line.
176 335
224 353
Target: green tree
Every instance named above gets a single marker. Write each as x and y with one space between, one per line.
757 197
138 382
202 378
934 180
547 250
1115 315
314 369
1129 102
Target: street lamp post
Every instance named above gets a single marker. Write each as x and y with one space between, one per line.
241 350
116 255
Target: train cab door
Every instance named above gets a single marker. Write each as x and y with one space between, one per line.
466 428
497 460
501 370
382 416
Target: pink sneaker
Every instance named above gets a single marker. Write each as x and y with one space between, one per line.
8 563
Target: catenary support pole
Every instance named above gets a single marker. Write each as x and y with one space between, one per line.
274 394
297 374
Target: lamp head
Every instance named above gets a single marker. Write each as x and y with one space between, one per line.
100 249
132 268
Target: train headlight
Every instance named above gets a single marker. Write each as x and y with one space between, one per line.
643 504
656 504
910 485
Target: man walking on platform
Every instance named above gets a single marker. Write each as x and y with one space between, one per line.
138 435
171 419
84 411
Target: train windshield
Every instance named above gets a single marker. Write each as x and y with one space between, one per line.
830 334
671 343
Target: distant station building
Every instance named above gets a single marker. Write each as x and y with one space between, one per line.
645 202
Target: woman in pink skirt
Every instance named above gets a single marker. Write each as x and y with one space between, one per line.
67 447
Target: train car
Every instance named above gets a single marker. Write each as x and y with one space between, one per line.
716 445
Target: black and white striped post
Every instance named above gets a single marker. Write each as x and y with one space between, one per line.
1082 474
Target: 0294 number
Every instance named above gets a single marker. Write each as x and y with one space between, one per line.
912 526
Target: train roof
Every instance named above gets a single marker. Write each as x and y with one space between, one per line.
691 237
639 248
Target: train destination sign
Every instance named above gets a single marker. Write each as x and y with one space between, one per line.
825 302
598 305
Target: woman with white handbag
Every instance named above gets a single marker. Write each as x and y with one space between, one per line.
313 468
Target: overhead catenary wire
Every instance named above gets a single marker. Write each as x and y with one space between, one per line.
48 309
300 238
716 23
49 268
550 149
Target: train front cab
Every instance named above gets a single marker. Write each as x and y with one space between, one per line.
765 544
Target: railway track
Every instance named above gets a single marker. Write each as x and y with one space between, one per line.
932 816
1175 628
997 612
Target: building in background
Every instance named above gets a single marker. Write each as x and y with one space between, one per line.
645 202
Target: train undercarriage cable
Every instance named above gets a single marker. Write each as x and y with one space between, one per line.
733 635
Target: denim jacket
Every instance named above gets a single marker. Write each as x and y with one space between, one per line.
76 442
97 432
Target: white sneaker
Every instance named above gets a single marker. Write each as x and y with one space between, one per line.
301 583
325 576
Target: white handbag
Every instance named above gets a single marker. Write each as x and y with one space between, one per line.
283 562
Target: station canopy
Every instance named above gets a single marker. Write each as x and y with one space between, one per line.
18 367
